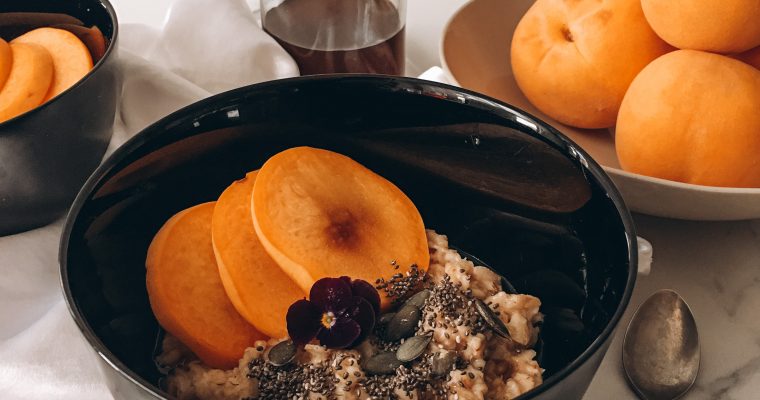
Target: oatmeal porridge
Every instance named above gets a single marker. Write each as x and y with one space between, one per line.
454 333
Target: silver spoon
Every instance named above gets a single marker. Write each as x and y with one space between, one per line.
661 348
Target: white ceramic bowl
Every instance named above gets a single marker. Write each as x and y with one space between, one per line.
475 55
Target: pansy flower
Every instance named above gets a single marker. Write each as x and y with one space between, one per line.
340 313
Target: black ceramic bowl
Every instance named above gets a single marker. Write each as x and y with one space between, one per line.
504 186
47 154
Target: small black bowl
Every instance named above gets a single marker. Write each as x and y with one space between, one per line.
503 185
47 153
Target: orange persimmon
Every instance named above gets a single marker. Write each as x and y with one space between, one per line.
692 116
259 289
6 62
726 26
91 37
71 58
321 214
574 59
28 81
186 292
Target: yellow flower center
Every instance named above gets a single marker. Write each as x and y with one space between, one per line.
328 320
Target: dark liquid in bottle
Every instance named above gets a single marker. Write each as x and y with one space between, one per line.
337 36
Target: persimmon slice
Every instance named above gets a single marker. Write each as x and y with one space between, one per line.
71 58
321 214
257 287
28 81
91 37
186 293
6 61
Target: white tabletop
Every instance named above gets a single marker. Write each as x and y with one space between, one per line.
714 266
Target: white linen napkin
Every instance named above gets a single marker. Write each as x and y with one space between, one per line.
42 353
437 74
205 47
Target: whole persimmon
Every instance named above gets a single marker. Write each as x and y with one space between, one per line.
692 116
574 59
728 26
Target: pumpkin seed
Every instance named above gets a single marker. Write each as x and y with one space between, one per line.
403 324
413 347
282 353
443 363
385 318
419 299
382 364
491 319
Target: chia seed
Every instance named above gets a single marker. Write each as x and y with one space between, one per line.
291 381
408 379
400 286
450 307
385 346
379 386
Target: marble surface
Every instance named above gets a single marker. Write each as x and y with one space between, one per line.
714 266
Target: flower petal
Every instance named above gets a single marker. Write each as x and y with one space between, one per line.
364 289
341 335
303 321
331 294
364 315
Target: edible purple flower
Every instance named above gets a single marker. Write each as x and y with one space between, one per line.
340 313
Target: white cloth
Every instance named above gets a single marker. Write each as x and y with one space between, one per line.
42 353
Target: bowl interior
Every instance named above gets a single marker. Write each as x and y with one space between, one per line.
90 12
505 188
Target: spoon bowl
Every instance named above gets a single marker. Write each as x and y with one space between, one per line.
661 348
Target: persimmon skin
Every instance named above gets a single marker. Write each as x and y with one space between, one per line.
676 122
566 57
6 62
257 287
92 37
28 82
71 58
186 292
728 26
321 214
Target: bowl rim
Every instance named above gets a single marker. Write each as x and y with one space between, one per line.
222 102
110 49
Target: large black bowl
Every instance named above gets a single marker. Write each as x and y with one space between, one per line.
504 186
47 154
